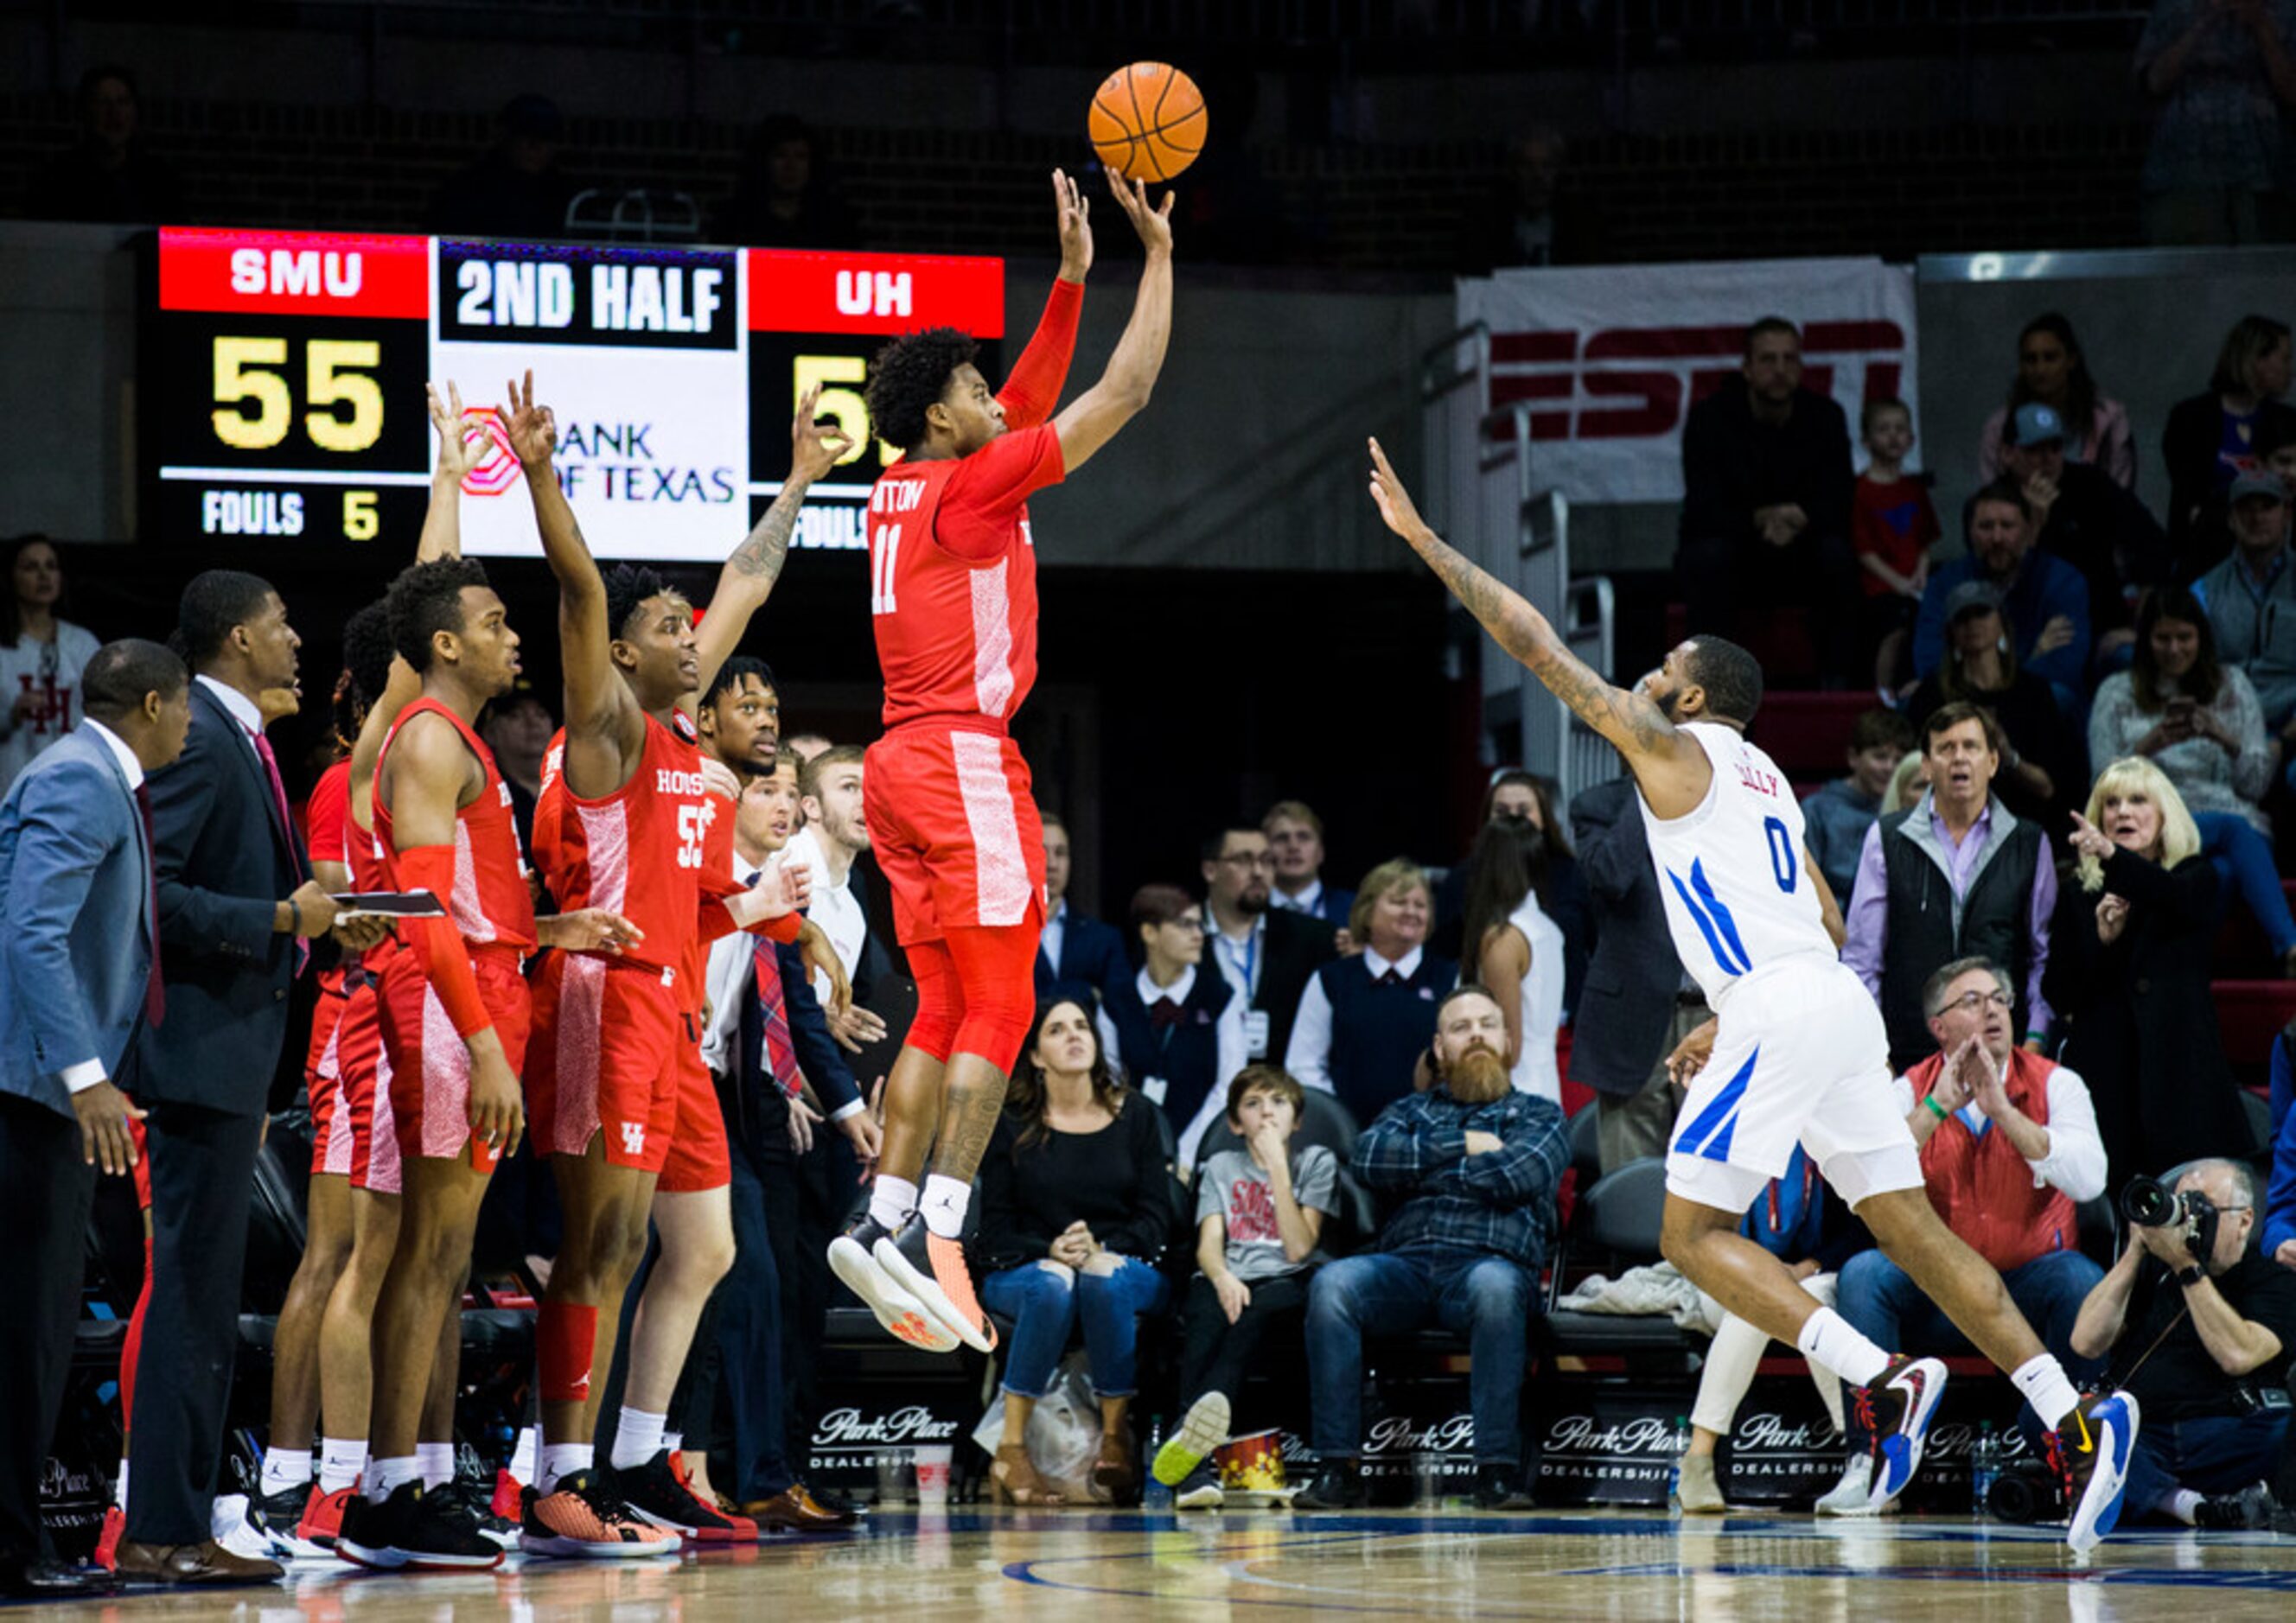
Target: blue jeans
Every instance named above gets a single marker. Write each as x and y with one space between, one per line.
2242 859
1488 1299
1046 1301
2211 1455
1882 1303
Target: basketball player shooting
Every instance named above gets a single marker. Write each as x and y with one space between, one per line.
953 571
1799 1051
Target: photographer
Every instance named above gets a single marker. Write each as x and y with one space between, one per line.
2200 1325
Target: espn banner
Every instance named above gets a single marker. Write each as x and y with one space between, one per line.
1612 357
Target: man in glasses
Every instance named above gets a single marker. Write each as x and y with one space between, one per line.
1267 954
2009 1147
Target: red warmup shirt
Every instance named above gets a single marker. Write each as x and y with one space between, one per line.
1893 522
327 821
952 561
491 904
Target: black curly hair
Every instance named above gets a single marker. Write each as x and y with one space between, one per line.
368 651
426 599
909 375
627 586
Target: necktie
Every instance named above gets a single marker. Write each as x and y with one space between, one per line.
155 992
1165 1014
286 831
773 1007
1389 977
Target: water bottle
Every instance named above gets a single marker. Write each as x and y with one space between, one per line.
1984 1466
1674 1469
1155 1496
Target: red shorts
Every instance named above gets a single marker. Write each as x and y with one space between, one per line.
370 1128
428 1074
604 1060
699 1158
954 829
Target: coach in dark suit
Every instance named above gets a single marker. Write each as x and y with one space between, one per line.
78 969
236 900
1638 1003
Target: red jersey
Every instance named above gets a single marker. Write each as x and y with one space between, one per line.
327 820
491 903
1893 522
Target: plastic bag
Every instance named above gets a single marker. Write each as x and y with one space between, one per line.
1064 1431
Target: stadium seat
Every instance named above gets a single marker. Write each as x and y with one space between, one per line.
1806 733
1624 1212
2249 1014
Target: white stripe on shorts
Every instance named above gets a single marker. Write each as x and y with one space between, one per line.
1001 871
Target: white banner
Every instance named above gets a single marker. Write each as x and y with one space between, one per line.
1610 359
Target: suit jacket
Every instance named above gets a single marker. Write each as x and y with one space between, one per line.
225 860
1296 947
75 878
1092 955
818 1057
1628 1002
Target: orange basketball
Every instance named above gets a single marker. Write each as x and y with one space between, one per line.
1148 121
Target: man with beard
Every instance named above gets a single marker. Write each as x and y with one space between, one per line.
1470 1168
1267 954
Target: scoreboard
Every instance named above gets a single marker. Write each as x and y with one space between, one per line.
282 374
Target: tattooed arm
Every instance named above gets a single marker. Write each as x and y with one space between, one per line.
748 579
1672 769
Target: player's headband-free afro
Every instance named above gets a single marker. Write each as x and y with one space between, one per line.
909 375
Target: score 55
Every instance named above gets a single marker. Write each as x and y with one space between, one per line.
846 404
255 408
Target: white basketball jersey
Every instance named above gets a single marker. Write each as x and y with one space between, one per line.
1738 896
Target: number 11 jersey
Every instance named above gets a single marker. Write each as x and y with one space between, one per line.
1738 897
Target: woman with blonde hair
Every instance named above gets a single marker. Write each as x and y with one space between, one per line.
2129 978
1365 1020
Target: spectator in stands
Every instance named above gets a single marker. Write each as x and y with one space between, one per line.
2009 1147
1908 784
1295 836
1765 501
1260 1211
2128 970
1364 1021
1078 955
2041 765
517 727
515 188
1469 1167
1959 876
805 746
1076 1212
1892 527
2217 435
2218 169
1834 819
2251 598
1516 950
1639 1003
111 175
1563 892
1267 954
2280 1204
2082 516
2053 371
41 656
786 197
2199 1326
1536 215
1797 1220
2180 706
2045 597
1179 1024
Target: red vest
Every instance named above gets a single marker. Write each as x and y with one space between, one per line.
1982 1187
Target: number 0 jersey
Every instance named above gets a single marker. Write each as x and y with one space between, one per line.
1738 897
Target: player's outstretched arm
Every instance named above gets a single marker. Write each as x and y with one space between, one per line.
748 579
1034 387
1092 419
1635 725
462 444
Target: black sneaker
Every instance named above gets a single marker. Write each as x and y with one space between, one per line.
1339 1486
278 1516
1500 1487
372 1532
418 1529
2247 1510
1200 1489
656 1493
1895 1411
474 1502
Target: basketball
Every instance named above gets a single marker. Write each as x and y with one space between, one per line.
1147 121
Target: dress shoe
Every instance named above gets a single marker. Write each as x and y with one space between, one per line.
53 1580
795 1509
205 1563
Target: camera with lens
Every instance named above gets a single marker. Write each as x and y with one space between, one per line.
2149 1203
2026 1491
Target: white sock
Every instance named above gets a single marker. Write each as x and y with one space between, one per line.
891 1200
119 1488
637 1438
437 1462
341 1461
561 1460
1828 1338
673 1440
2184 1507
285 1468
384 1478
943 1203
522 1458
2042 1379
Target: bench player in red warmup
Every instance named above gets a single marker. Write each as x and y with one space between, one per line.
953 569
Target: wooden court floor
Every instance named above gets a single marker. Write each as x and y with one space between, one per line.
966 1564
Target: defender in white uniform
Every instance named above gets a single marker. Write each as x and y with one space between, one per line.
1798 1049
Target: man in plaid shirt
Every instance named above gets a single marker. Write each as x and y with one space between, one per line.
1470 1168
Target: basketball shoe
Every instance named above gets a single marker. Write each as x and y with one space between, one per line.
933 1270
660 1492
903 1315
1895 1411
2090 1452
584 1517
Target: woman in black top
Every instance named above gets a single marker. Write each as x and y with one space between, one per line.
2129 979
2214 434
1076 1211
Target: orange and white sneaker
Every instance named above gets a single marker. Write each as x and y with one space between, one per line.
584 1518
933 1270
852 1259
